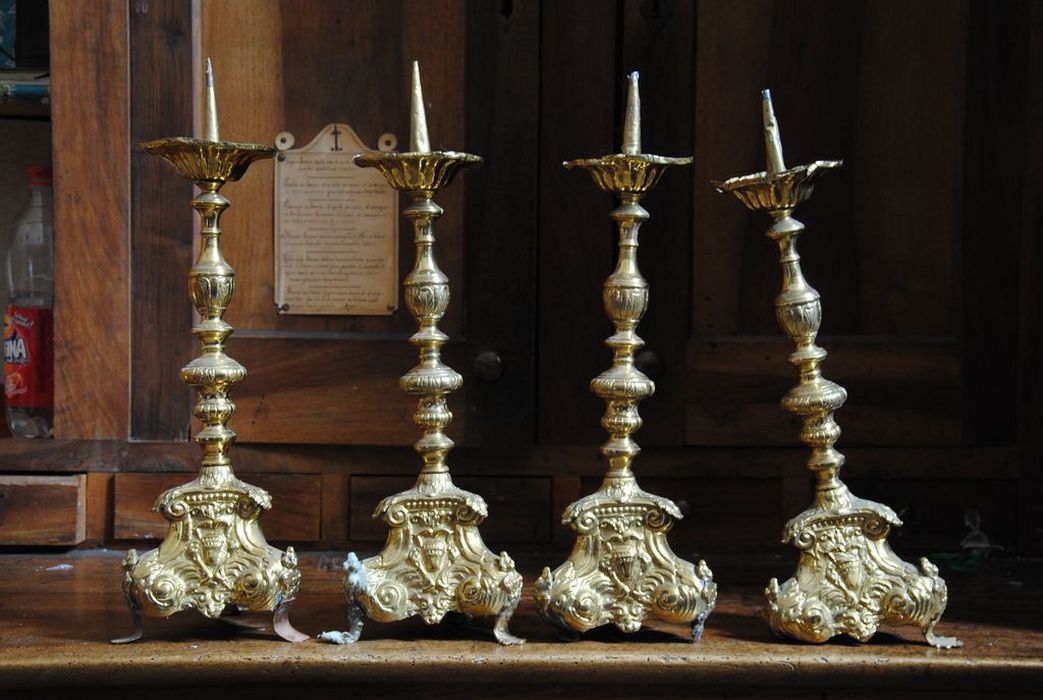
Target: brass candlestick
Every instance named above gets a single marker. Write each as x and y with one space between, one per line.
434 561
848 580
214 558
622 569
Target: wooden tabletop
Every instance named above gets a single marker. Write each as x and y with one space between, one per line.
57 613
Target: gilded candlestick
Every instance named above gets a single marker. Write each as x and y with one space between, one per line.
622 570
434 561
848 580
214 558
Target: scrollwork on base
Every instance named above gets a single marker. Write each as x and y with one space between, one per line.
214 556
434 563
622 570
849 581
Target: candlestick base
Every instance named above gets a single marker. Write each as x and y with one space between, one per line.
848 580
434 563
214 557
622 570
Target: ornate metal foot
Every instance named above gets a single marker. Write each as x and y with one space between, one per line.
354 581
282 625
940 642
500 631
700 620
139 630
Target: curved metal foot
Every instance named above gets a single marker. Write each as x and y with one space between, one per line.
940 642
697 626
139 629
500 631
354 580
282 625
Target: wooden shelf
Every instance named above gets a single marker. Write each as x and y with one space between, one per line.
60 610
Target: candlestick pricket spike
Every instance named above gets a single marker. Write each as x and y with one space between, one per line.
435 561
215 558
848 580
621 569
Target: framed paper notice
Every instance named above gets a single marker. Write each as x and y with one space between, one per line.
336 228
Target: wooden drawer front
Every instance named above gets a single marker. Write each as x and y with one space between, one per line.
38 510
295 515
519 507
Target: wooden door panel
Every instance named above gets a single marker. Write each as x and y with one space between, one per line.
321 390
901 391
882 87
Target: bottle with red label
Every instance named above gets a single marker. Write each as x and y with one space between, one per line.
28 338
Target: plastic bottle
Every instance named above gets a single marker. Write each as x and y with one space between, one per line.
28 316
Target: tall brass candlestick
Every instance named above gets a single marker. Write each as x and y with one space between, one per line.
435 561
848 580
621 569
214 558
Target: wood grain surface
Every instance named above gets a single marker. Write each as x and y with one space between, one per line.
162 91
91 132
42 510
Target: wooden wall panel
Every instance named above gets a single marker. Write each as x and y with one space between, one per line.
1030 318
659 42
89 66
322 390
901 392
500 228
881 86
162 94
1001 82
580 105
297 66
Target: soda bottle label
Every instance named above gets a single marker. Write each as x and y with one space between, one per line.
27 357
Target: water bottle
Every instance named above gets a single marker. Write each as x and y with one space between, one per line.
28 316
